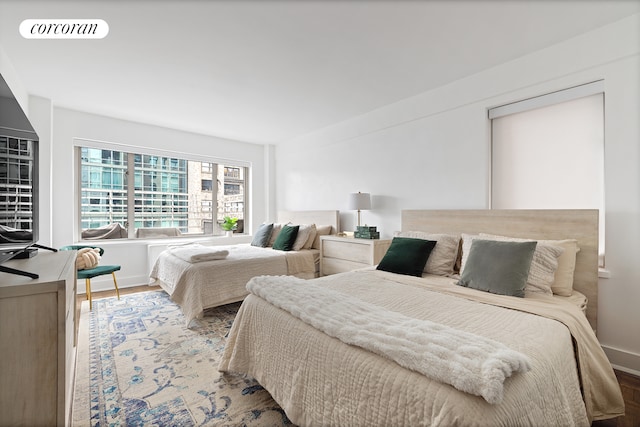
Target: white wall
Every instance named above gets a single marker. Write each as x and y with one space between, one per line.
13 80
433 151
41 113
57 128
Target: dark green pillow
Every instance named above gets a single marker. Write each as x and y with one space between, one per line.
262 236
286 238
498 267
407 256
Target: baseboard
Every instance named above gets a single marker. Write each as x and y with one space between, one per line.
105 283
623 360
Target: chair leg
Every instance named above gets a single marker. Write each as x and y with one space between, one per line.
116 284
88 285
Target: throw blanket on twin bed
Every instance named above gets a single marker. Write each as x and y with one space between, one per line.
468 362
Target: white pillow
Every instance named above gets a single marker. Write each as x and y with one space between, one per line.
321 230
443 256
277 227
304 233
311 238
543 265
467 240
563 283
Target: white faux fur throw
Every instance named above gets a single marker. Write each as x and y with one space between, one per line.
469 362
196 252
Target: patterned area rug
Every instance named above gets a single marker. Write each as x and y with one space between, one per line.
139 365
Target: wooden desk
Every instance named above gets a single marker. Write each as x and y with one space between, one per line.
38 340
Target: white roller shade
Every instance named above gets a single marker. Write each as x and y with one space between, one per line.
550 157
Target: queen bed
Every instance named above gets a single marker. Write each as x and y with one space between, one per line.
198 276
373 347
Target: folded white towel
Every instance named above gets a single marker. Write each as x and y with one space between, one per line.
198 253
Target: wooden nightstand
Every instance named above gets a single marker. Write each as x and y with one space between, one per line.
340 254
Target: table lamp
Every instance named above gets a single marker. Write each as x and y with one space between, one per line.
360 202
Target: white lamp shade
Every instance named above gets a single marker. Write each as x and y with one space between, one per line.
359 201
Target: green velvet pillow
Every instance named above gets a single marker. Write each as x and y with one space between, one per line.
262 236
286 238
407 256
498 267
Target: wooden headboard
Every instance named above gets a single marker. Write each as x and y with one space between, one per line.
580 224
312 217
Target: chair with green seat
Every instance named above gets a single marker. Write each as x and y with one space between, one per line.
90 273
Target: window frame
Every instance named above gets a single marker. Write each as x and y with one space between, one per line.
131 150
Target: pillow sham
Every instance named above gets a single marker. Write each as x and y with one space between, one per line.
406 256
286 238
306 232
312 237
321 230
274 233
543 266
563 277
563 283
498 267
443 257
262 236
546 262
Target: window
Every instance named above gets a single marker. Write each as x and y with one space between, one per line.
156 191
232 189
103 198
17 184
548 152
233 173
207 185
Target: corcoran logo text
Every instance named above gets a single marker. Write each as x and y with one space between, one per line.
64 29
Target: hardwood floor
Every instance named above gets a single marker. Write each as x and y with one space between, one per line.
123 291
629 384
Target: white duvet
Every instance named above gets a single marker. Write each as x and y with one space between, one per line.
469 362
196 286
320 380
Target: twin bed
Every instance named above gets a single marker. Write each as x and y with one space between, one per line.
198 276
350 349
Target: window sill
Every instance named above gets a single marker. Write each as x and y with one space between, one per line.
185 239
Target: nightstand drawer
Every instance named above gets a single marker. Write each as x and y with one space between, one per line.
340 254
336 265
347 251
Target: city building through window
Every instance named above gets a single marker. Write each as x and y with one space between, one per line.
160 195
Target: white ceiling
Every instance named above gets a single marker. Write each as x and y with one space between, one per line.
268 71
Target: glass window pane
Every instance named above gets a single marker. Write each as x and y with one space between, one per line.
16 187
103 193
172 196
231 194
